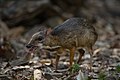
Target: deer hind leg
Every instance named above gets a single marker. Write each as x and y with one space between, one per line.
90 50
81 53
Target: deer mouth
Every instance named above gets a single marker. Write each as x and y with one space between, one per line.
31 48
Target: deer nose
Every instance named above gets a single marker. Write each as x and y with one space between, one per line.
29 46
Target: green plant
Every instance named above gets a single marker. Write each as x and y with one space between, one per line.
75 68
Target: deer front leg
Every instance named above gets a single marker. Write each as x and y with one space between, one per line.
57 60
71 56
59 52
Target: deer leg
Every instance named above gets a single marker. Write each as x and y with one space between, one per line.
71 56
91 57
81 53
57 60
59 51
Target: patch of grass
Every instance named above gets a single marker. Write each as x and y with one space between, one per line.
75 68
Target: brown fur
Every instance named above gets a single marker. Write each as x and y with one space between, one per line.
72 34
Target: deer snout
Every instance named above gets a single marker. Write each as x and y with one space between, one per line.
29 46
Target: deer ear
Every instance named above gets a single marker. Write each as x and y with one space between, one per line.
48 31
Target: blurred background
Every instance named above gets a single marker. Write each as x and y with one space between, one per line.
104 14
28 14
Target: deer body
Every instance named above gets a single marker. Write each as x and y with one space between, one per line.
72 34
